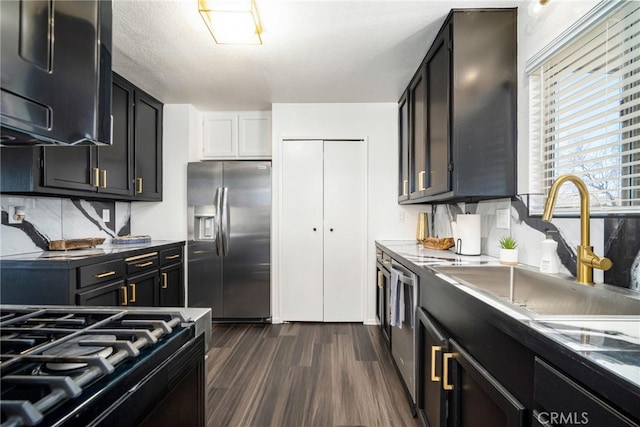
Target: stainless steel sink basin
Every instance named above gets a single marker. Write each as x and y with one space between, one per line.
543 294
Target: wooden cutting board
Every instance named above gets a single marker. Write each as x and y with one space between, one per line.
63 245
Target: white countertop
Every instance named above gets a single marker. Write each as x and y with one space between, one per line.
592 329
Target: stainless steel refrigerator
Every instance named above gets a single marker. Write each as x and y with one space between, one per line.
229 242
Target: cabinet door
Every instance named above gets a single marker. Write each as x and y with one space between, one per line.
142 290
116 161
438 103
172 286
344 230
302 230
254 134
477 395
72 168
418 171
50 89
403 148
147 147
220 139
112 294
561 401
431 344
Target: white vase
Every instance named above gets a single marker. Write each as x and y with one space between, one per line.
509 256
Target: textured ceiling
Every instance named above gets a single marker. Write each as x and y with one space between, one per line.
313 51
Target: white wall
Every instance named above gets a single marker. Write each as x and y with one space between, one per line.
167 220
377 124
533 36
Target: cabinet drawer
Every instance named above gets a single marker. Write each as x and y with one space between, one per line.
144 262
170 256
561 401
101 272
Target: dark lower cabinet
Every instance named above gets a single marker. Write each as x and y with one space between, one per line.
477 395
172 286
453 388
108 295
432 397
383 295
561 401
142 290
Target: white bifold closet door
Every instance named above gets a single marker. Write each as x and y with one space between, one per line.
323 230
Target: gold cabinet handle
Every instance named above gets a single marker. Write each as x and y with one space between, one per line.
386 262
138 185
421 186
174 256
137 257
103 183
380 279
405 187
445 371
106 274
124 295
96 177
165 281
434 350
144 264
133 292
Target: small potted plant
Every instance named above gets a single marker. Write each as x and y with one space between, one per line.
508 250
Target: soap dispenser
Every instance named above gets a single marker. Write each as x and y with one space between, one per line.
549 260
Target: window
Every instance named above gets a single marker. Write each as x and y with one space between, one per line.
585 105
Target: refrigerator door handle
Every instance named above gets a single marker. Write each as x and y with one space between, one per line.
225 221
218 202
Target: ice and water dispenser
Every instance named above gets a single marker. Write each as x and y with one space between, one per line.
204 226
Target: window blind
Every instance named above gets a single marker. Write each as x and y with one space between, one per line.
585 115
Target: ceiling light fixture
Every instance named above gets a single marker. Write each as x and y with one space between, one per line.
232 21
537 8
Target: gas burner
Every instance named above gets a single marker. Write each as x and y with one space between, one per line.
54 358
83 345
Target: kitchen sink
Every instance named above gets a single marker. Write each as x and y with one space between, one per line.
544 294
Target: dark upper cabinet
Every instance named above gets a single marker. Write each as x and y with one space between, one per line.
418 134
462 115
129 169
147 147
55 72
403 137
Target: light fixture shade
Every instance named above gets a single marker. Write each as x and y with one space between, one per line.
232 21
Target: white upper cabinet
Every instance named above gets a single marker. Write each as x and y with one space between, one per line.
230 135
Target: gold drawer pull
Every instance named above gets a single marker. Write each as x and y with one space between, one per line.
138 185
96 177
164 281
445 371
144 264
133 292
104 179
106 274
174 256
137 257
434 350
380 279
124 295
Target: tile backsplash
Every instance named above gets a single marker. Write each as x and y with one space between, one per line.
615 238
51 218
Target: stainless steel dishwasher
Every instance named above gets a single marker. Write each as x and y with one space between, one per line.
403 339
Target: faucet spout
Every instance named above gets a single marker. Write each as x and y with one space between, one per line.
587 260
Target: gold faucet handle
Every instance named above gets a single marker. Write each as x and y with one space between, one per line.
594 261
601 263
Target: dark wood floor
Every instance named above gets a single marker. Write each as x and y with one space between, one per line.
303 374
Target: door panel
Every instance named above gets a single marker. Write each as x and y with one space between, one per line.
70 167
247 265
344 190
302 239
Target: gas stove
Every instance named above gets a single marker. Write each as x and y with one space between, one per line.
85 366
